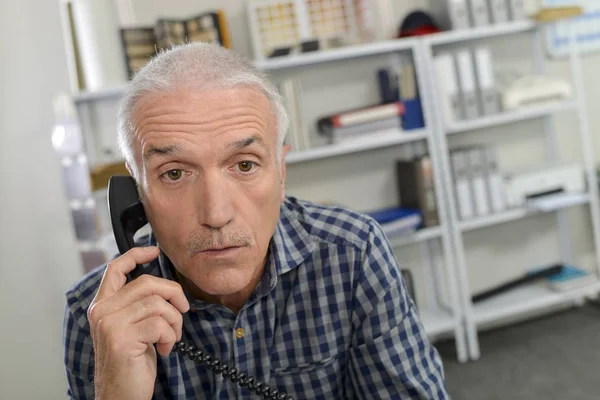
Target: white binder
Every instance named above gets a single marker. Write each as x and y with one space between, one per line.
479 12
495 183
489 100
516 9
458 13
462 187
478 181
466 73
498 11
448 86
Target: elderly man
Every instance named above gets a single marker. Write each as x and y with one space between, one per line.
305 298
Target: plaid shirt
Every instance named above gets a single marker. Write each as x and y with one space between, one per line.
331 319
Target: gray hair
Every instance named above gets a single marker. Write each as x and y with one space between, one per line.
201 66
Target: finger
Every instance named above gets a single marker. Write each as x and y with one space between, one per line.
142 287
154 306
115 274
156 330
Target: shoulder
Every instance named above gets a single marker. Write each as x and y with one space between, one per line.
331 224
80 295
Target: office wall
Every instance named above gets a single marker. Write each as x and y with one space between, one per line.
38 259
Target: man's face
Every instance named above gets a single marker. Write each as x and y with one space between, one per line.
210 182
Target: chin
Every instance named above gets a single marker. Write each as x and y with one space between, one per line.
223 281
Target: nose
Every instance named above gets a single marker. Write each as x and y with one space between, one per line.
215 204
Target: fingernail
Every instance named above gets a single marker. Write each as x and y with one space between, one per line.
150 249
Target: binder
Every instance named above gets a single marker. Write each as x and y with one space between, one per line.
448 86
416 189
516 9
460 167
478 181
466 74
458 13
479 13
498 11
495 183
489 99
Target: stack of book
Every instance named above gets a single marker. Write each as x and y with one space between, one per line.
350 124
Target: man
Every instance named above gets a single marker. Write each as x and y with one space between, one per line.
305 298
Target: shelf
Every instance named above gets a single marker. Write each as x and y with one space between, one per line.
524 114
528 299
436 321
103 94
467 34
339 54
369 141
559 202
419 236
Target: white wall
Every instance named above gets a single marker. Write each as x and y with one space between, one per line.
38 258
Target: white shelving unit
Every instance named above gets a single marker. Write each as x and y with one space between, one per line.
451 311
533 297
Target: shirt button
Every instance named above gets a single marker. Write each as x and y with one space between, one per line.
239 333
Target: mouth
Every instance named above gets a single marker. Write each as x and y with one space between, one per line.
220 251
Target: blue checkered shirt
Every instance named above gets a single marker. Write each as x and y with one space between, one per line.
331 319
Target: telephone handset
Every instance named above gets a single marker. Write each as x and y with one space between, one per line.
127 217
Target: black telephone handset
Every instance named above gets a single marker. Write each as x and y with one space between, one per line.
128 216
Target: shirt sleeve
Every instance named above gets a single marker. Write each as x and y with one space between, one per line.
391 356
78 356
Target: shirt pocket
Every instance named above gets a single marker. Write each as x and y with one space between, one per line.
320 379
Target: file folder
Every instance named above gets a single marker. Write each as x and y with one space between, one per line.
448 86
516 9
495 182
478 10
466 73
462 186
489 100
498 11
478 181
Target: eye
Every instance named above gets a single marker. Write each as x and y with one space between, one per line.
174 174
246 166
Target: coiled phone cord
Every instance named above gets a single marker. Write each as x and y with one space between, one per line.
215 365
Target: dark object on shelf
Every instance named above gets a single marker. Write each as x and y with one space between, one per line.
139 46
280 51
418 23
416 189
527 278
389 91
309 45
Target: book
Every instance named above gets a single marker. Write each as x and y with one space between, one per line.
416 188
396 221
569 278
359 116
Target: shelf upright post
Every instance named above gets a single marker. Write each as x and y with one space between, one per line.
431 117
552 150
452 233
586 140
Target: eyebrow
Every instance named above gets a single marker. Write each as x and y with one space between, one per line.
240 144
161 151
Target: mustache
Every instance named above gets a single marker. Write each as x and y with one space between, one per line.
201 241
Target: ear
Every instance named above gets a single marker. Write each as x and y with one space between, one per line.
129 169
286 148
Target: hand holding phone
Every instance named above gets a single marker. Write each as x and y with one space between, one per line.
126 320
